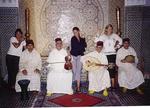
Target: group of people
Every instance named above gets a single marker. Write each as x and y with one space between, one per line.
110 50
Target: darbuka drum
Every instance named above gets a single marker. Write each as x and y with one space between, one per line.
129 59
89 64
24 89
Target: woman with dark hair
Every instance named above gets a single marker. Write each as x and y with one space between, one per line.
78 46
112 42
12 58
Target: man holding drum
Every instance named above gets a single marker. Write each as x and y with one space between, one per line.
129 76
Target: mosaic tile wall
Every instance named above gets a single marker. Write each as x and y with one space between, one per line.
146 39
133 23
8 25
137 24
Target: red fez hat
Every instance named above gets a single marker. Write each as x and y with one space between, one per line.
99 43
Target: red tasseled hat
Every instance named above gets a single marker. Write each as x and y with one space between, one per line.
99 43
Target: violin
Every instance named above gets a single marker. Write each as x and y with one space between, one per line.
68 64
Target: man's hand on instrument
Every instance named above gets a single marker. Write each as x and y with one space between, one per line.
96 64
123 61
24 72
89 63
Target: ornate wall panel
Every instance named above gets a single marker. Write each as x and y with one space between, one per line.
52 18
58 17
45 15
113 4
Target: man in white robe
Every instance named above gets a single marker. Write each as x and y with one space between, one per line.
59 80
29 68
112 42
98 79
129 76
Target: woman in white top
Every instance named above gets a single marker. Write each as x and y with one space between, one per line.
12 58
111 43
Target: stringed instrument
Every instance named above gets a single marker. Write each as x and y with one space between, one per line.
68 64
92 64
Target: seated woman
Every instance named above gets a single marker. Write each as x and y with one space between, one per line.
59 80
29 68
129 76
99 78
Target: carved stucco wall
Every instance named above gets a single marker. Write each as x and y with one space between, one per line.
52 18
113 4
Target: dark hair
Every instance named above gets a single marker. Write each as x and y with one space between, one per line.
119 31
29 42
58 39
99 43
109 25
75 28
18 30
126 40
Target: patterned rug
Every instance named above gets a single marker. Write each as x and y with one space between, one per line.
76 100
52 101
115 98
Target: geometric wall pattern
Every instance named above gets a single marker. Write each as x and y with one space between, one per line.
146 38
8 25
137 24
133 27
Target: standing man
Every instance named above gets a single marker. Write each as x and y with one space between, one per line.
78 46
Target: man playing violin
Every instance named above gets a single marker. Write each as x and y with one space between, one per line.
59 79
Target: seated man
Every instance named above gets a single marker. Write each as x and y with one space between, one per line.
59 80
29 68
129 76
99 78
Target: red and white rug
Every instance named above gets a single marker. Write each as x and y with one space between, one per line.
76 100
